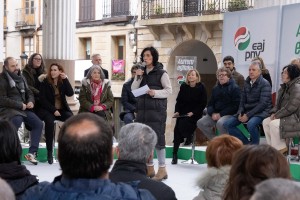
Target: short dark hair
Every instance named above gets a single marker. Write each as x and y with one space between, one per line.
134 67
153 52
10 148
292 70
230 58
88 155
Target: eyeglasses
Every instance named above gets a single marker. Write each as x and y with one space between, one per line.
227 63
221 75
38 59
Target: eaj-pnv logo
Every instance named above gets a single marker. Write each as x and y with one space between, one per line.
242 38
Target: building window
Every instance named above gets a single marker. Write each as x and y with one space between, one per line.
85 46
28 45
119 7
29 7
86 10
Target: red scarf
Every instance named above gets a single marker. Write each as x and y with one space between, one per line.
96 87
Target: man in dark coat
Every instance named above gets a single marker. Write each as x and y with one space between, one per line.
256 102
224 102
128 100
16 104
96 60
135 148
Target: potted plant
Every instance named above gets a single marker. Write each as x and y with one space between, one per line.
235 5
157 12
211 8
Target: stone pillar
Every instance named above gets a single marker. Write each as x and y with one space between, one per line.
1 33
59 24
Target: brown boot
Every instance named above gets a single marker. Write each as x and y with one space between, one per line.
150 171
161 174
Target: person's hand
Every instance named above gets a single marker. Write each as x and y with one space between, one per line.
24 106
176 114
57 113
63 75
151 93
98 108
216 116
190 114
272 117
243 118
29 105
139 72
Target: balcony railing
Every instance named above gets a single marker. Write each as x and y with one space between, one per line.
113 8
25 17
180 8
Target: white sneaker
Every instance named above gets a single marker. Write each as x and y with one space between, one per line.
31 158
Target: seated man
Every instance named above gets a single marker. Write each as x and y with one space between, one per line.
128 100
17 103
135 148
224 102
254 107
96 60
85 155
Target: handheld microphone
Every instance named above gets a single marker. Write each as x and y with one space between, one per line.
142 67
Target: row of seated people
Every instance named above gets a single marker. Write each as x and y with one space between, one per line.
229 106
234 171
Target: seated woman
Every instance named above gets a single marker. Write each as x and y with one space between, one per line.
191 101
54 88
251 165
284 120
219 155
11 170
95 95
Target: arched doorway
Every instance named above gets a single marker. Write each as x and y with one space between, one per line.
206 65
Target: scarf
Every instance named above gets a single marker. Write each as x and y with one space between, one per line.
13 170
17 81
96 88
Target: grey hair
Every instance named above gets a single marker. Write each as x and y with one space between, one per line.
136 142
93 68
224 69
257 63
276 189
96 54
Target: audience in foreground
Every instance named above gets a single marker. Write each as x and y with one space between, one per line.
11 170
276 189
135 148
219 154
85 155
251 165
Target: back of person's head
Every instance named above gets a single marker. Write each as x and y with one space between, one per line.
220 150
136 142
292 70
276 189
6 193
85 146
10 148
228 58
251 165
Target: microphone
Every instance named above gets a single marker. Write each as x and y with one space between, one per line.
142 67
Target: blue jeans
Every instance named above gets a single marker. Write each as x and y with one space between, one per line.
36 126
252 126
128 118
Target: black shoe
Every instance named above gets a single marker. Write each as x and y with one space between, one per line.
187 143
174 160
50 157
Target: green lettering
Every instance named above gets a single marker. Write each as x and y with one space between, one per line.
297 48
298 31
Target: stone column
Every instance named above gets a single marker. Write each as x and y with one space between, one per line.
59 24
1 33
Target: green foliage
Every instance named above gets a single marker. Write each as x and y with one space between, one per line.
118 76
235 5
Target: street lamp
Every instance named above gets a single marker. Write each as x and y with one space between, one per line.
24 58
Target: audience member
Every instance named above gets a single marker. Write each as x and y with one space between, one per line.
128 100
296 61
135 147
264 71
228 62
223 103
284 121
251 165
219 155
54 88
11 170
95 95
17 103
85 155
152 107
6 192
256 102
96 60
190 102
276 189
